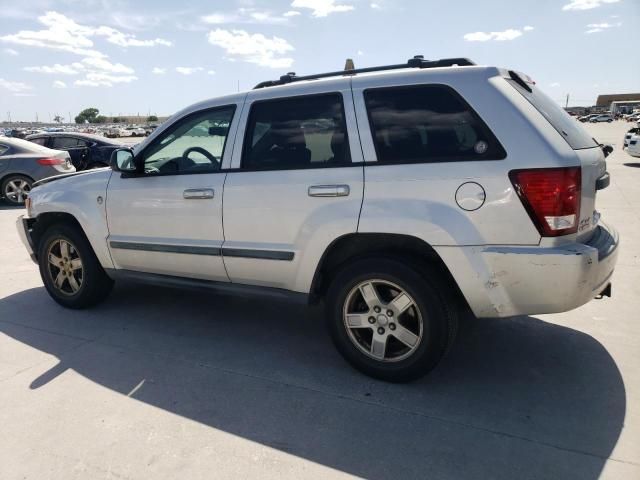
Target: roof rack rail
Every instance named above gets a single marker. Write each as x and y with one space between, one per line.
417 61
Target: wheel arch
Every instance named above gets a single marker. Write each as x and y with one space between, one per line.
45 220
354 246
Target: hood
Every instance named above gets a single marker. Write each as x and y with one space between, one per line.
67 175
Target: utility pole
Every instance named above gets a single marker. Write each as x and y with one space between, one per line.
238 85
566 104
69 117
9 116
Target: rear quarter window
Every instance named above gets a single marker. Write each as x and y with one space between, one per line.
567 126
427 123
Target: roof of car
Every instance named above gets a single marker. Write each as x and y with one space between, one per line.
86 136
24 146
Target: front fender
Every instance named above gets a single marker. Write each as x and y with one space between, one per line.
83 197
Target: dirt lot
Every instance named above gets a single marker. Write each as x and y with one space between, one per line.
160 383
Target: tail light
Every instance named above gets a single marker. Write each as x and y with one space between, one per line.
52 161
551 196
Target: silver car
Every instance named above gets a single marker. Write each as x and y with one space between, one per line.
22 163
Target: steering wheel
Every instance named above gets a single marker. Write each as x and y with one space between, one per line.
202 151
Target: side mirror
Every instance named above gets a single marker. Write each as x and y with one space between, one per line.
122 161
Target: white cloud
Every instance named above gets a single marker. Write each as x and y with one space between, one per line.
10 51
16 87
360 52
62 33
554 84
188 70
211 72
107 66
24 94
248 15
159 71
72 69
59 84
104 80
601 27
505 35
527 28
291 13
322 8
128 40
253 48
586 4
375 6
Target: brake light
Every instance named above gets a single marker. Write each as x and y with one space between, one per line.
52 161
551 196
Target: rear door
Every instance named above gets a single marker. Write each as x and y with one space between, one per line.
77 149
296 184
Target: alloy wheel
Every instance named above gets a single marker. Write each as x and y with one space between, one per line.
65 266
17 190
382 320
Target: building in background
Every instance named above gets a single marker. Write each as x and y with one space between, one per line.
619 103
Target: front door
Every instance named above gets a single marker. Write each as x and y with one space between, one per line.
296 185
167 219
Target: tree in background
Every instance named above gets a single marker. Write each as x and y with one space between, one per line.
116 120
58 119
88 115
152 118
100 119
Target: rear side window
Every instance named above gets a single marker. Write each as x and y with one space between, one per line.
65 142
39 141
427 123
299 132
567 126
3 149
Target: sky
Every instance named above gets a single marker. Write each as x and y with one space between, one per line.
158 56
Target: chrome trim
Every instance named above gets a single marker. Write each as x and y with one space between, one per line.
198 193
329 191
212 251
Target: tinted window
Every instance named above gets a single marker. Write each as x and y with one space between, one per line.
575 135
301 132
39 141
83 143
194 145
64 142
3 149
427 123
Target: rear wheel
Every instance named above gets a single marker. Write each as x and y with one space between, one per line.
15 189
388 320
70 269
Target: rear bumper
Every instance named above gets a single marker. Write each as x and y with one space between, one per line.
508 281
23 225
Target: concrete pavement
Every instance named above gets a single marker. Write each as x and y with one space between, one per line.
163 383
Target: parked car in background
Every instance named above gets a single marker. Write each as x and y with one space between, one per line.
136 131
629 134
586 118
22 163
116 132
393 195
86 151
601 118
633 148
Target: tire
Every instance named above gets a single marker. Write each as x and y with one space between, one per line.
79 287
431 319
15 189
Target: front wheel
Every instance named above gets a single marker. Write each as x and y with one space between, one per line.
70 269
389 320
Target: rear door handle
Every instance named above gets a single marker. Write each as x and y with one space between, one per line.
329 191
198 193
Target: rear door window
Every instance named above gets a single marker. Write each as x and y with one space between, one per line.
567 126
299 132
40 140
64 142
427 123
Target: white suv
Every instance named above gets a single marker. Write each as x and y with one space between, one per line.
394 194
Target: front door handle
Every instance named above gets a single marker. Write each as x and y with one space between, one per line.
198 193
329 191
